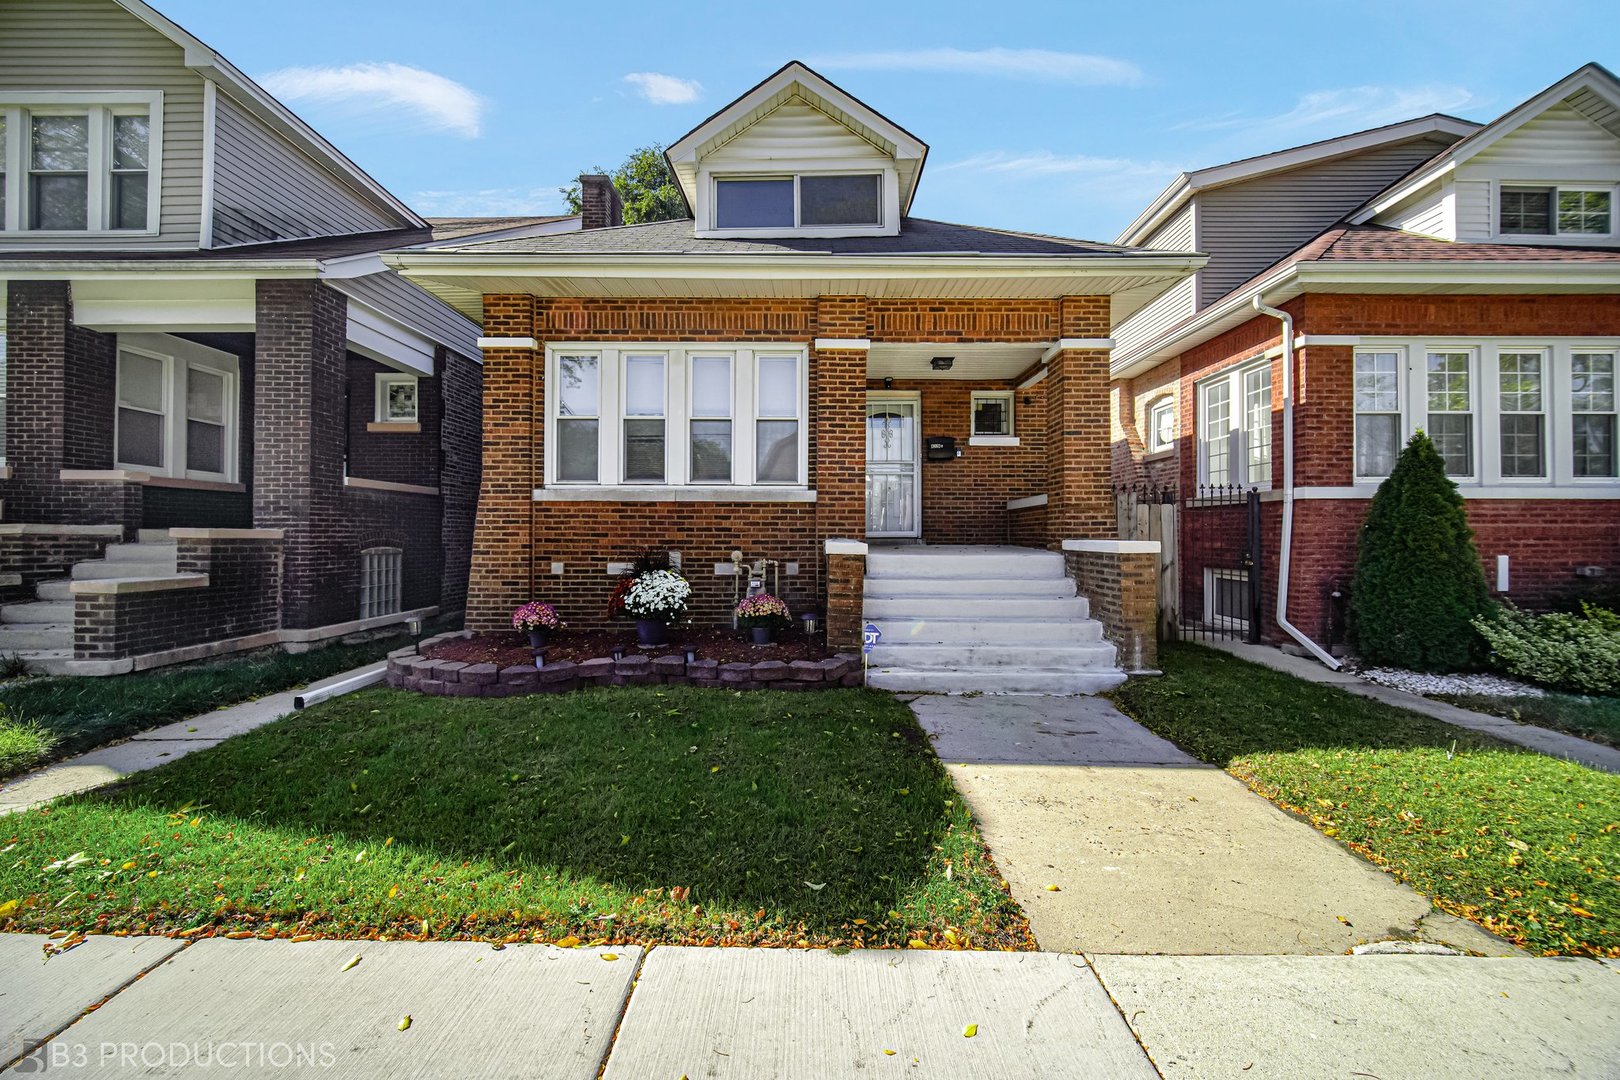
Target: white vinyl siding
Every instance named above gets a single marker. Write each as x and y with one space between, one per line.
1560 149
667 415
1504 413
265 188
95 47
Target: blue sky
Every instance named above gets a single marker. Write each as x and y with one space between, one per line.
1057 117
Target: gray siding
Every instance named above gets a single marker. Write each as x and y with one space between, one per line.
1246 227
396 297
267 189
1176 234
52 45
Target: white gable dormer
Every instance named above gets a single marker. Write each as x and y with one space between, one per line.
797 156
1547 172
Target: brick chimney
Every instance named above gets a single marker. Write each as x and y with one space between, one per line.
600 206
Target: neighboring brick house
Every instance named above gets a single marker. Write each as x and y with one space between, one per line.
226 423
798 364
1439 275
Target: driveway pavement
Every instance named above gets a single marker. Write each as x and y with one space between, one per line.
1153 852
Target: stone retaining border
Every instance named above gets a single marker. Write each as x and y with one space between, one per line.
408 669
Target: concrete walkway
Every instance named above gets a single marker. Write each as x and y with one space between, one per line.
158 746
1543 740
280 1009
1151 851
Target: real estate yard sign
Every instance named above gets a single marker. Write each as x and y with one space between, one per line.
870 636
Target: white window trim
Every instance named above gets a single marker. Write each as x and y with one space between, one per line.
1163 403
888 200
1558 188
1010 437
1557 387
99 106
383 381
1402 378
677 413
1237 444
1213 574
692 415
178 356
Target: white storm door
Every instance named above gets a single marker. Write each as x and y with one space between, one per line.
893 462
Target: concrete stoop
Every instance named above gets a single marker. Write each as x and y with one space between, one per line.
993 620
41 631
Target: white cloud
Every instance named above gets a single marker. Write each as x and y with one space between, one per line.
380 89
663 89
1030 65
1349 108
489 202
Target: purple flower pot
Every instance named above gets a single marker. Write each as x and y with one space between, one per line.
760 635
537 639
652 631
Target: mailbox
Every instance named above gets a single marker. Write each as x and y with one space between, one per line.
940 447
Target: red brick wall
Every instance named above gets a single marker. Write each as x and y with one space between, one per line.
517 539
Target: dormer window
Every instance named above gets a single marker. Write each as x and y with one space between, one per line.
79 162
1546 210
811 200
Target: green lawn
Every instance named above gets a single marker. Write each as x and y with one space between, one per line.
1526 845
1595 718
83 713
640 814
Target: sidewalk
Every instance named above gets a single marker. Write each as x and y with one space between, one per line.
275 1008
158 746
1542 740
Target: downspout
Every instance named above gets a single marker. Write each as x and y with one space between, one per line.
1287 540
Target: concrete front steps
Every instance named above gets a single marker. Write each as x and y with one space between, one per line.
41 631
983 619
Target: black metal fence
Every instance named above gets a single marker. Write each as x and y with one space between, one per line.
1210 571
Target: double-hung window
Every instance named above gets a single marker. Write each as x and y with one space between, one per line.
1234 427
644 393
1378 411
80 162
1550 210
1449 385
1521 377
675 415
1592 414
177 409
711 397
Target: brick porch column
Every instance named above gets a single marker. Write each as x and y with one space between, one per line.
514 396
1078 450
838 413
300 374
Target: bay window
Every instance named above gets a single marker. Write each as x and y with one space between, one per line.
1234 427
80 162
668 415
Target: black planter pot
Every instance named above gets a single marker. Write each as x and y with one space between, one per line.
760 635
652 631
537 639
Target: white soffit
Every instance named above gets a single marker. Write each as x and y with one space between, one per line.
380 338
994 360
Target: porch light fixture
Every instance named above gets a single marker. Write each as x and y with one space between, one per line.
888 382
942 363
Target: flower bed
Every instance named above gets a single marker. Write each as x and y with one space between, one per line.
420 670
709 643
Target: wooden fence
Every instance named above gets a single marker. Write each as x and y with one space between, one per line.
1151 514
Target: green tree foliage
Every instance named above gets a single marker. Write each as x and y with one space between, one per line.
1418 582
646 187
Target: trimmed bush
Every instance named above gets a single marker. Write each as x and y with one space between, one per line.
1418 583
1565 652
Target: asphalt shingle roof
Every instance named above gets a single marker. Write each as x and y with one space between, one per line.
918 236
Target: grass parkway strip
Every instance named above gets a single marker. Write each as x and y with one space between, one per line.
614 815
1526 845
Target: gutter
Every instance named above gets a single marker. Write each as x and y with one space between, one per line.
1286 543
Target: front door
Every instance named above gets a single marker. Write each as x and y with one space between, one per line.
893 479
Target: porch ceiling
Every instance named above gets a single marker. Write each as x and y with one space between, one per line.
995 360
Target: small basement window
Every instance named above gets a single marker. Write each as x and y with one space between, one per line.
381 569
396 399
1227 599
992 412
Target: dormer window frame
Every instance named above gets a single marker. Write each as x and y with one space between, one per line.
888 223
1555 235
101 110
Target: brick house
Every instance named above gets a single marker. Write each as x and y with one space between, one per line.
226 423
803 373
1437 275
